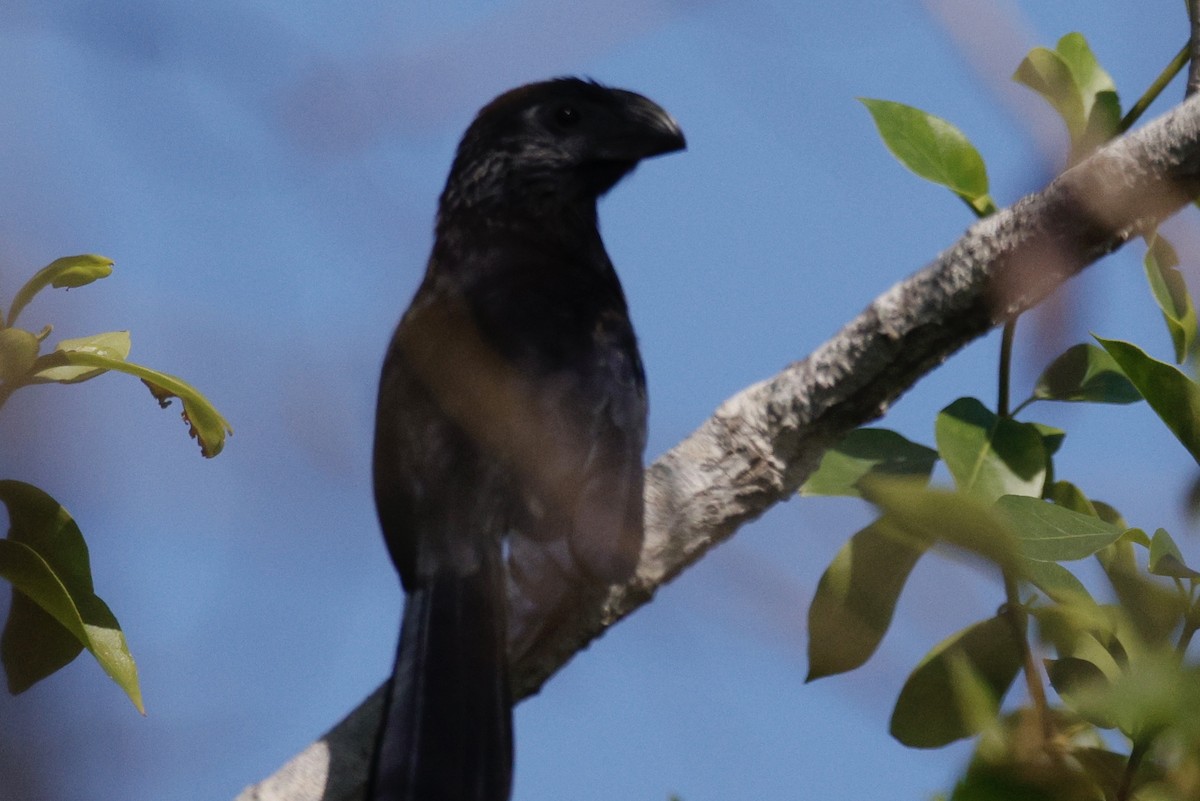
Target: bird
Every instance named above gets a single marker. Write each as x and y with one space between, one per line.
510 427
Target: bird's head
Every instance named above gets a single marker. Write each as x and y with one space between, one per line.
563 140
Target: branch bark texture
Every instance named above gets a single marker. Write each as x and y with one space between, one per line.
762 443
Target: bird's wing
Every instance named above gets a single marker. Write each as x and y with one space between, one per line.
606 531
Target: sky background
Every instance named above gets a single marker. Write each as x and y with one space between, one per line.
265 176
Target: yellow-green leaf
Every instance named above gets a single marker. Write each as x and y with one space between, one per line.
1090 78
1073 81
1047 73
933 149
205 423
112 345
68 272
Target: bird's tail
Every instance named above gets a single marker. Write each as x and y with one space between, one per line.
446 733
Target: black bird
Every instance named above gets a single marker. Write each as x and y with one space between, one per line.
512 403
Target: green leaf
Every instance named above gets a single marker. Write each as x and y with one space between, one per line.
865 452
1012 780
67 272
1109 514
1069 496
1059 583
1075 84
1153 611
1081 629
112 345
930 711
1048 73
1165 558
46 559
1053 533
856 598
1160 694
1171 294
205 423
1011 763
990 456
1052 438
933 149
1136 536
1173 396
958 519
50 624
43 632
1085 373
1089 76
1078 681
1089 647
1104 122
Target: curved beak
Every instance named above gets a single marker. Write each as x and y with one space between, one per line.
649 130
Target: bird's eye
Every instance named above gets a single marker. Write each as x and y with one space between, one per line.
566 116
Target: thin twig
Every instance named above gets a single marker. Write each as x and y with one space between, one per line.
1155 89
1006 347
1131 769
1018 620
1193 80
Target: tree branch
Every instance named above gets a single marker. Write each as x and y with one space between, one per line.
762 443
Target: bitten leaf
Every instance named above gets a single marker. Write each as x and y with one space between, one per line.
205 423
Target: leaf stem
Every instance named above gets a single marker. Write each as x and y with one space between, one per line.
1021 406
1131 768
1006 346
1017 618
1190 625
1155 89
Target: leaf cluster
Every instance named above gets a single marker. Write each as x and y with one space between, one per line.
1117 662
56 614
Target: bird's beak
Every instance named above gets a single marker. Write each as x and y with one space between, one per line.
648 130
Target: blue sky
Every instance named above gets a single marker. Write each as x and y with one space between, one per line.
265 177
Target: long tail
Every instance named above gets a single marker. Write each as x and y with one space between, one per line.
446 733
